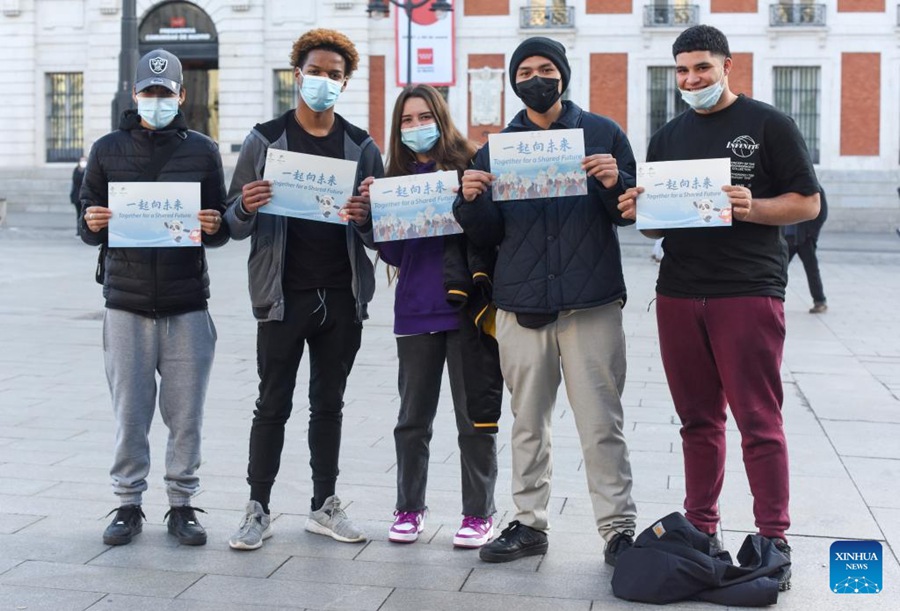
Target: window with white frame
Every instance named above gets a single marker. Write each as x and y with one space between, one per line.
664 99
285 92
64 116
797 92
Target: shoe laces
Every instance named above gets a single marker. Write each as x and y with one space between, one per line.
511 527
125 513
407 517
250 518
475 523
184 511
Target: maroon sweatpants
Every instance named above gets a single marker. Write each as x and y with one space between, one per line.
718 351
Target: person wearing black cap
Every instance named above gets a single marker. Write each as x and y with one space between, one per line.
156 320
559 290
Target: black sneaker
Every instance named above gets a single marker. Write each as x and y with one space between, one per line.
127 523
618 544
516 541
784 575
183 524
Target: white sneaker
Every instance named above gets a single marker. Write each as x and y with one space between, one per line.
407 526
255 527
332 521
474 532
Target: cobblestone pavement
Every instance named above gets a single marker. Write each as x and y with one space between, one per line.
842 410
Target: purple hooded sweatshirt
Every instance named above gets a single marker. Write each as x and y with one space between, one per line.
420 304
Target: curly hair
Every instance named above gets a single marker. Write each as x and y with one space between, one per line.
329 40
701 38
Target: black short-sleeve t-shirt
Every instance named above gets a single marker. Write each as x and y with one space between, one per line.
316 255
769 157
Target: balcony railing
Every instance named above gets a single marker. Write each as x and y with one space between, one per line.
658 16
531 18
796 15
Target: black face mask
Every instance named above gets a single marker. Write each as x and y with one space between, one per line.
539 93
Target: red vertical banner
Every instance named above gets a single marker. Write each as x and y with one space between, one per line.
433 49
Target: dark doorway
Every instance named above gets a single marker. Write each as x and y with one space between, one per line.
187 31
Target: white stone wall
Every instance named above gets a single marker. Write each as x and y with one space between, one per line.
255 37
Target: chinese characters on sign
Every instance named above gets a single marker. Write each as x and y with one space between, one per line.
530 165
680 194
154 214
416 206
308 187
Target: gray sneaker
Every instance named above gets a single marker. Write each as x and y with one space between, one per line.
255 527
331 520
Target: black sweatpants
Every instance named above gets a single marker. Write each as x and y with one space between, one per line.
324 320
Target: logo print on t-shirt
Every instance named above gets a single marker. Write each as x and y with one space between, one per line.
743 146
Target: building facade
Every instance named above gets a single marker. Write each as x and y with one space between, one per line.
833 66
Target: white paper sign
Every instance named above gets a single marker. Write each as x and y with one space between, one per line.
154 214
307 186
529 165
680 194
415 206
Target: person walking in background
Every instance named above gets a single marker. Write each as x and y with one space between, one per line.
423 139
559 290
310 284
802 239
156 320
720 291
77 179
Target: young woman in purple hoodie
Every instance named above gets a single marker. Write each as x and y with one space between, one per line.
423 139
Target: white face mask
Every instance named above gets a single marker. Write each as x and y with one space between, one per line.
420 139
157 112
704 99
319 92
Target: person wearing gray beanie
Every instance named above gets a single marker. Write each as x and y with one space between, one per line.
559 293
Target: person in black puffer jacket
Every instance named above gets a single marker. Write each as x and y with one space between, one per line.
156 318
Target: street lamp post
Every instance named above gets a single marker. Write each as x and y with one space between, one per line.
128 59
379 8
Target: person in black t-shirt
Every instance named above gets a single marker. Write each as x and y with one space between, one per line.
720 291
310 283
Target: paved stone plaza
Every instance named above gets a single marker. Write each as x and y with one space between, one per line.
842 410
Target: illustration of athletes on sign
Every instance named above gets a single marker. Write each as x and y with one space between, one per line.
154 214
415 206
528 165
680 194
308 187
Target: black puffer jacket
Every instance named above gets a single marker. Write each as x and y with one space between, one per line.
154 282
559 253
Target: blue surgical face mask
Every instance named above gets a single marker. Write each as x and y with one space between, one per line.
157 112
704 99
420 139
319 92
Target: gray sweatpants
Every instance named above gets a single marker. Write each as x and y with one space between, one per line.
586 348
180 349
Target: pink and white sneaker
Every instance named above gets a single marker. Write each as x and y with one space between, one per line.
474 532
407 526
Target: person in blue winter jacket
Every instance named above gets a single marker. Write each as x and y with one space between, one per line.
423 139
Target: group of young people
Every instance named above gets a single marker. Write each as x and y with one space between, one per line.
546 274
